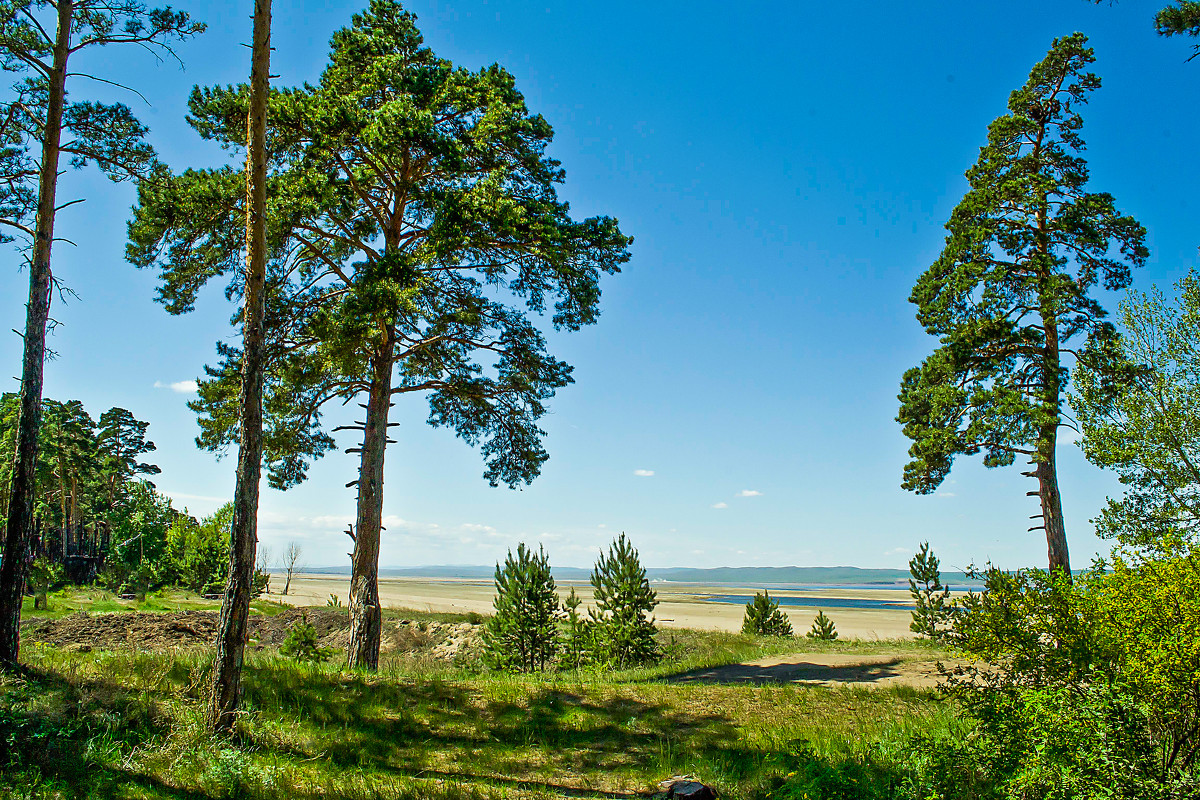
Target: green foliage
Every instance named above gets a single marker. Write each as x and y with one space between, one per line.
423 278
764 618
931 616
43 576
197 556
578 640
522 634
334 601
1181 18
1146 426
622 620
1011 289
822 628
1090 688
302 644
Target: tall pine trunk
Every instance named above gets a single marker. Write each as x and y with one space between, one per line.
19 523
365 614
1047 462
235 607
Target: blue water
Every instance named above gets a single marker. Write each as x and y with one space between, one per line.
813 602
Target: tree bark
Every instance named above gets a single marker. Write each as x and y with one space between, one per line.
365 615
235 607
19 522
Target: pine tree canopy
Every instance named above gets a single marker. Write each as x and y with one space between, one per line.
1009 298
413 222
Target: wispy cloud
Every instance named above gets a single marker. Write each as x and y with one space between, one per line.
749 493
644 473
183 387
720 505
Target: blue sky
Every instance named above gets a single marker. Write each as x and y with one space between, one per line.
786 169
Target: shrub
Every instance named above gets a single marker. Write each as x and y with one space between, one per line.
1092 688
522 635
822 628
44 575
302 644
764 618
932 616
623 627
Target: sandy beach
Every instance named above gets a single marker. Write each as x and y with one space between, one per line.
680 605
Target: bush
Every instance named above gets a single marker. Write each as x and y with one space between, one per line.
623 627
822 628
522 635
763 617
303 645
1092 688
44 575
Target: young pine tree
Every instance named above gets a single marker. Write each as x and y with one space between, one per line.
623 625
577 637
522 636
764 618
1010 293
822 628
928 594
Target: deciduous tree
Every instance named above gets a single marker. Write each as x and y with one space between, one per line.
1146 425
1010 295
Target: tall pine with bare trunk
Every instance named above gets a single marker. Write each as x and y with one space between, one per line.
414 228
235 606
1009 297
38 39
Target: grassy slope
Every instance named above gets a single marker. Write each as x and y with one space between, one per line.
125 724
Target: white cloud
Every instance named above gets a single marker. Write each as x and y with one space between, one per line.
644 473
720 505
749 493
182 387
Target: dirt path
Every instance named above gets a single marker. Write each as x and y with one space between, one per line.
830 669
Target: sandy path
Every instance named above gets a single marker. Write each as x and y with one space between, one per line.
679 606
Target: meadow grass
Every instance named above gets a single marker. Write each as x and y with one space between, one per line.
94 600
129 724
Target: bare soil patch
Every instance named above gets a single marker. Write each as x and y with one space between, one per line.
830 669
163 631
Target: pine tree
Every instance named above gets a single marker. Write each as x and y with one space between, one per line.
822 628
522 634
622 621
928 594
578 635
106 135
764 617
409 251
1010 292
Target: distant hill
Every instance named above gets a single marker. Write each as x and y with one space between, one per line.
743 575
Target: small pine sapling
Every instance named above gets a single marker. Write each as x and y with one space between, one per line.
822 628
302 644
764 618
932 614
623 625
522 635
577 637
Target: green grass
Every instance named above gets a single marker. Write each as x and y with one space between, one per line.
95 600
127 724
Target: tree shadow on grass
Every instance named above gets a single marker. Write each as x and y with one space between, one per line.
798 671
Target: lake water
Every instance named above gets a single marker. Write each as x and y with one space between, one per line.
813 602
